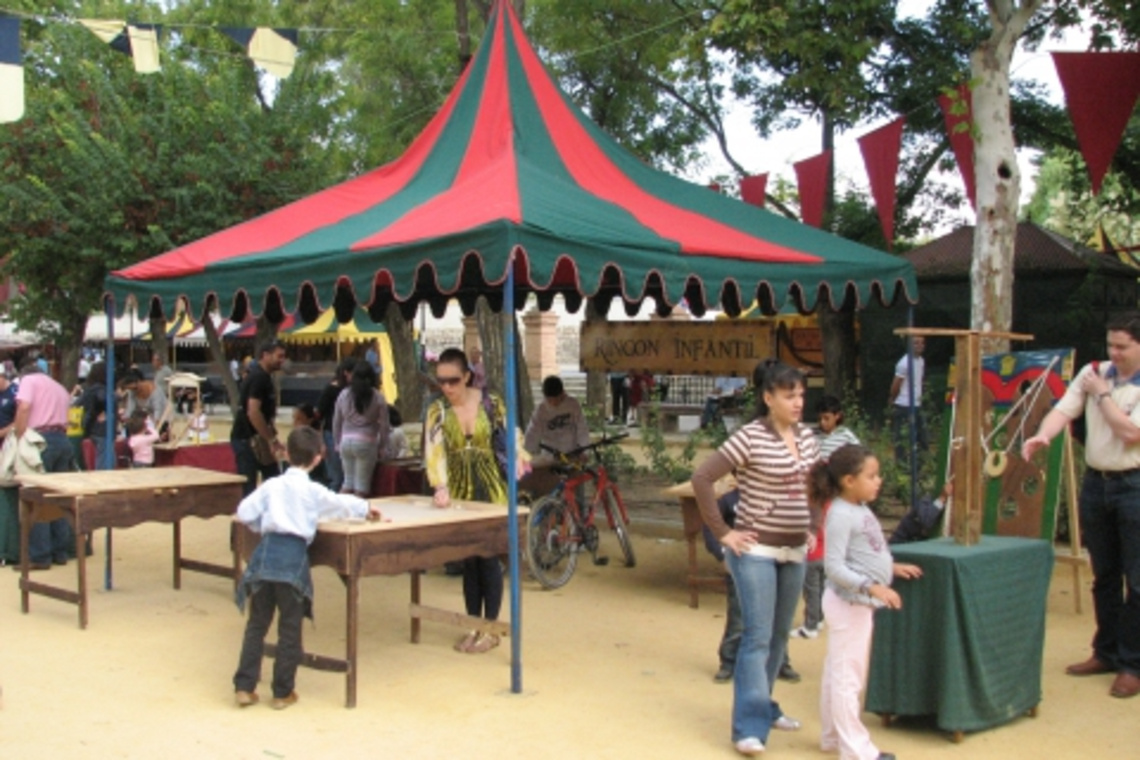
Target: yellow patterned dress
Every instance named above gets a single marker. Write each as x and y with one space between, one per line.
465 464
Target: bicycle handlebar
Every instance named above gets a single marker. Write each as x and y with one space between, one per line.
603 441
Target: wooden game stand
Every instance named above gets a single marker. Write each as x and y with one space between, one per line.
967 459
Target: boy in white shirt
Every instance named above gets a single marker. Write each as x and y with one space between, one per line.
285 511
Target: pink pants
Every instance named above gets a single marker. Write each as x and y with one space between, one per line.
849 629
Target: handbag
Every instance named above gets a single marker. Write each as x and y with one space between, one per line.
262 450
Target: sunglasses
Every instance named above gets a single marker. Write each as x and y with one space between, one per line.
448 381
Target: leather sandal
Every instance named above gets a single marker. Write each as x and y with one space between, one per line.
465 643
484 642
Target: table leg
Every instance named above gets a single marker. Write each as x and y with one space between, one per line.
351 619
81 565
415 601
26 510
108 574
694 592
177 554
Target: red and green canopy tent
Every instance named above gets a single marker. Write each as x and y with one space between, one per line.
511 190
510 169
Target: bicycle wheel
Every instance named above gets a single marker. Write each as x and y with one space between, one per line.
620 528
552 542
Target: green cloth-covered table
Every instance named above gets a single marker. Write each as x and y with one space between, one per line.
966 647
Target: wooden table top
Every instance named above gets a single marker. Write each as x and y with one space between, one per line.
141 479
407 511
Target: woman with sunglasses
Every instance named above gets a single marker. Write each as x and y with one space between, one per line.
462 430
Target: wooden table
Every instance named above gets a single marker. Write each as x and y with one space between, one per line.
122 499
692 523
413 537
214 455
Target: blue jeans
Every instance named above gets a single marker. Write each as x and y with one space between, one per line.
358 460
768 592
54 540
332 463
1110 525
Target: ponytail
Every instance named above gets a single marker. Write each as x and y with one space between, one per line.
826 476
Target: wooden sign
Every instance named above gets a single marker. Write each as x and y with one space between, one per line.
674 347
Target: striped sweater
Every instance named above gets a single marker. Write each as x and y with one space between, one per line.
773 482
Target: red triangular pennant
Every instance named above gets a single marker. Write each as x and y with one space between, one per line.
1100 91
811 177
880 151
753 189
961 140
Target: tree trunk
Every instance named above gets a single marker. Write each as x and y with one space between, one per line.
494 357
68 355
158 342
997 178
218 362
836 326
463 34
410 402
596 384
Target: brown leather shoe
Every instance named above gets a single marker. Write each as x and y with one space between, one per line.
246 698
1090 667
1126 685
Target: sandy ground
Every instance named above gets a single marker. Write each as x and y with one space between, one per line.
615 664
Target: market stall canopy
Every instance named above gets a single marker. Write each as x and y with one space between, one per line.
360 329
511 168
176 328
197 336
129 326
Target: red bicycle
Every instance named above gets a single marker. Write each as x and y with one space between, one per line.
560 528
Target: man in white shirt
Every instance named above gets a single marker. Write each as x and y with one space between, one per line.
903 396
1108 394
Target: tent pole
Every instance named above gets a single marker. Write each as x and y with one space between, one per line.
912 407
111 414
511 392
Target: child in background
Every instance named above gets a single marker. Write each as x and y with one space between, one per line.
306 415
198 431
141 437
832 434
397 447
285 511
859 572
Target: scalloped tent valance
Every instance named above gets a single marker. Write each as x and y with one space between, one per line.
510 169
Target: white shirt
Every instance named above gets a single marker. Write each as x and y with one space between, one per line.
903 399
1104 450
293 504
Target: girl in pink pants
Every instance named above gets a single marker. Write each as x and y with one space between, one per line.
859 571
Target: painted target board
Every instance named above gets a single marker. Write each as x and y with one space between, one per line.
1018 390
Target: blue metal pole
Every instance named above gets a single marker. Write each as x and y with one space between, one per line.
510 381
912 410
111 413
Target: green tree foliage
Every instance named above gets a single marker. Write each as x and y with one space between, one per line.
1063 201
109 167
639 68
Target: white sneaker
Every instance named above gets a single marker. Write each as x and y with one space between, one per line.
784 723
803 632
750 746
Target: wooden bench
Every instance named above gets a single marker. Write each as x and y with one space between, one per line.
668 416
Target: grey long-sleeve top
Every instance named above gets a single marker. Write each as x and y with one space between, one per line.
856 553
